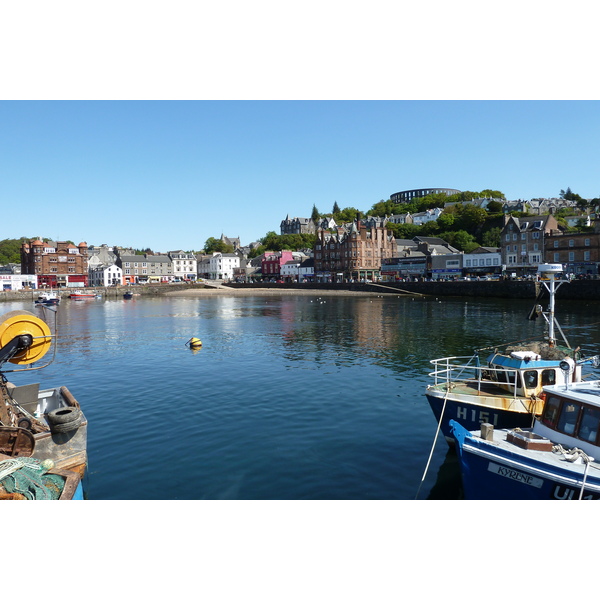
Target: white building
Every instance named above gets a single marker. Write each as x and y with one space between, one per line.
105 276
185 265
17 282
221 265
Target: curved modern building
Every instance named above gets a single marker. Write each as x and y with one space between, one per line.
410 195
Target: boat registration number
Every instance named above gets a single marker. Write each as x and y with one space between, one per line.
515 475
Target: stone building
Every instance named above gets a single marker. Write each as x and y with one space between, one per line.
56 264
354 253
522 242
579 252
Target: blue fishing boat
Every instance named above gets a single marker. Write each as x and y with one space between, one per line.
128 295
505 387
557 459
43 433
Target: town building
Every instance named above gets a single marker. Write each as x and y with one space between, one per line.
522 242
145 268
56 264
297 225
423 257
185 265
16 281
103 275
222 265
483 261
579 252
272 262
354 252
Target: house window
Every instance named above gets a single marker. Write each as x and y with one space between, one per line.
556 257
556 243
587 241
586 255
571 256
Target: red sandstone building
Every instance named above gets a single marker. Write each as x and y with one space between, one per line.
56 264
354 252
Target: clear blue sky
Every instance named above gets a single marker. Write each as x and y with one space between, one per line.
170 174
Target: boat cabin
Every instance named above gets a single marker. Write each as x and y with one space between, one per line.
571 416
528 372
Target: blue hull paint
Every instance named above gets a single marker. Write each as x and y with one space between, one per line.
78 495
499 474
471 416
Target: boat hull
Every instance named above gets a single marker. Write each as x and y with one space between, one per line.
471 411
490 472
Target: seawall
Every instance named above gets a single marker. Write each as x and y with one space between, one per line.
576 290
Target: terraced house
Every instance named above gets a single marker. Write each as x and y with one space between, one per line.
145 268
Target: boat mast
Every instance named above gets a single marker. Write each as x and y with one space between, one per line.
550 271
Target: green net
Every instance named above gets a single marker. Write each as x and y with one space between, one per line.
30 477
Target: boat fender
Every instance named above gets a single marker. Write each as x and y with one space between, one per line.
64 414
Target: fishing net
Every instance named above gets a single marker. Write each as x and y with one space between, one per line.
30 477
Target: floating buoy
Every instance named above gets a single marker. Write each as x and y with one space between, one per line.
194 342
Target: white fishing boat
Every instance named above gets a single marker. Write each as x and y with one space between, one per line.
557 459
505 388
43 433
48 298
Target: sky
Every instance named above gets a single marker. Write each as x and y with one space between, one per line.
167 175
154 125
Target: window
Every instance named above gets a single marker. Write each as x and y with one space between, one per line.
548 377
586 255
556 243
587 241
571 256
556 256
588 428
550 414
567 419
530 379
571 243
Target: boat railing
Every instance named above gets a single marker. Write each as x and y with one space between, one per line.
467 369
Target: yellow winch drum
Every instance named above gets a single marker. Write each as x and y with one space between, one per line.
21 322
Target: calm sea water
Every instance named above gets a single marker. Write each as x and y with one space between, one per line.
288 398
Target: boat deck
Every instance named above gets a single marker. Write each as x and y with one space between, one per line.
549 458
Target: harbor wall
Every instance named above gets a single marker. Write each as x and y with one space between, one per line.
576 290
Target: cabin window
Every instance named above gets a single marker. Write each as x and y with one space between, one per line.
590 420
548 377
568 418
551 411
530 379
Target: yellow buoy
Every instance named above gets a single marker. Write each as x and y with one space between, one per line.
20 322
194 343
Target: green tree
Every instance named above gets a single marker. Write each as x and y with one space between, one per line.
214 245
336 208
461 240
10 250
494 207
315 214
491 237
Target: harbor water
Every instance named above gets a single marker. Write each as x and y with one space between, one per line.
289 397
